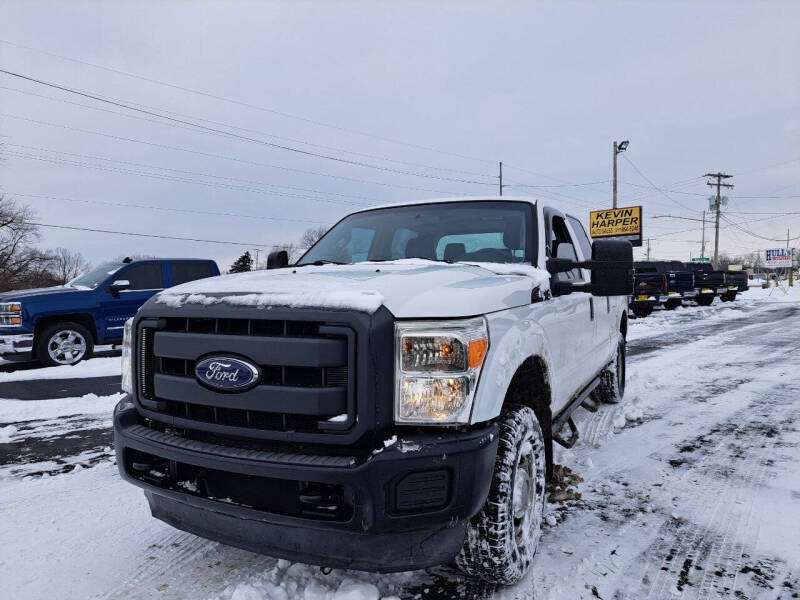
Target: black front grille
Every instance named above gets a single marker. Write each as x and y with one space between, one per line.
307 383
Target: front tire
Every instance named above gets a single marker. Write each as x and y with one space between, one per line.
672 304
612 378
64 344
502 538
642 312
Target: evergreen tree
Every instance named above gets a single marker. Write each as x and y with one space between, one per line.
243 264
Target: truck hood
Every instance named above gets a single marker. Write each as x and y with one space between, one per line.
23 294
410 288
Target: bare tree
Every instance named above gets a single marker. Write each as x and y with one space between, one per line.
17 231
311 235
66 264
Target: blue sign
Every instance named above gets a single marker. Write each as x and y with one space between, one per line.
227 374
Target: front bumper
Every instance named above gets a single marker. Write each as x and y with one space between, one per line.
18 346
407 506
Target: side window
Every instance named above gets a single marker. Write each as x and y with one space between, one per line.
562 246
583 239
144 277
189 271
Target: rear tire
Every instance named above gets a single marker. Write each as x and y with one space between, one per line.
612 378
502 538
64 344
705 300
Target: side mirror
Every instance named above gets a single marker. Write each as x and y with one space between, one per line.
119 285
612 268
278 259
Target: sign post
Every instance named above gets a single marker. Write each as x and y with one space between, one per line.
617 223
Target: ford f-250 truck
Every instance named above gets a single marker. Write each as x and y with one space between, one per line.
61 325
389 402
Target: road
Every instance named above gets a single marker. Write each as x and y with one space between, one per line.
688 489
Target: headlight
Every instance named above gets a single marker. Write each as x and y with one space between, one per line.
127 353
11 314
437 368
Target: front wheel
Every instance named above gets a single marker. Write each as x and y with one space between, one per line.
672 304
502 538
612 378
64 344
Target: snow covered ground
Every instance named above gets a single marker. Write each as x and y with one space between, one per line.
689 489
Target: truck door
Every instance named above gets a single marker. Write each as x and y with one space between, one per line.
570 326
604 333
146 279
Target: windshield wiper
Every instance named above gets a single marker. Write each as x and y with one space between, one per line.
319 263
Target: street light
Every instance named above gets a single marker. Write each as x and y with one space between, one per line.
618 147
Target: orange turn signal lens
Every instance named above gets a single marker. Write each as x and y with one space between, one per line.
477 352
16 321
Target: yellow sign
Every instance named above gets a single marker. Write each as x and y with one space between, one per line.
624 223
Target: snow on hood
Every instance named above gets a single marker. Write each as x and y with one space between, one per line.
408 288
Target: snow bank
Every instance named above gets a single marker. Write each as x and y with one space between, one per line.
14 411
96 367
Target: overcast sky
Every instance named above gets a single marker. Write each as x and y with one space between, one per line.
438 91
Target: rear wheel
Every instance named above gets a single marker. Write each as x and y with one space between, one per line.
64 344
612 378
705 300
502 538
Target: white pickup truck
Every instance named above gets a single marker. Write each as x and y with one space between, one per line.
390 401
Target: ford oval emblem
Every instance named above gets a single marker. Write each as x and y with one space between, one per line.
226 373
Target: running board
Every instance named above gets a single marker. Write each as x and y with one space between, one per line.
565 416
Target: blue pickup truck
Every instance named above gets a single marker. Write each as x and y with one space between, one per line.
61 325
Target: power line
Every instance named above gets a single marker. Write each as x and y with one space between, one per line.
167 177
153 235
193 173
239 136
207 154
163 208
246 104
654 186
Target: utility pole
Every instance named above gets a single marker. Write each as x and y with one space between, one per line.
703 244
256 251
618 148
501 177
791 260
717 203
648 249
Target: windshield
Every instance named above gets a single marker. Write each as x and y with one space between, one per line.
482 231
96 276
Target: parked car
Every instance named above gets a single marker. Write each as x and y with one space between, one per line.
680 282
649 291
61 325
708 282
735 282
388 403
